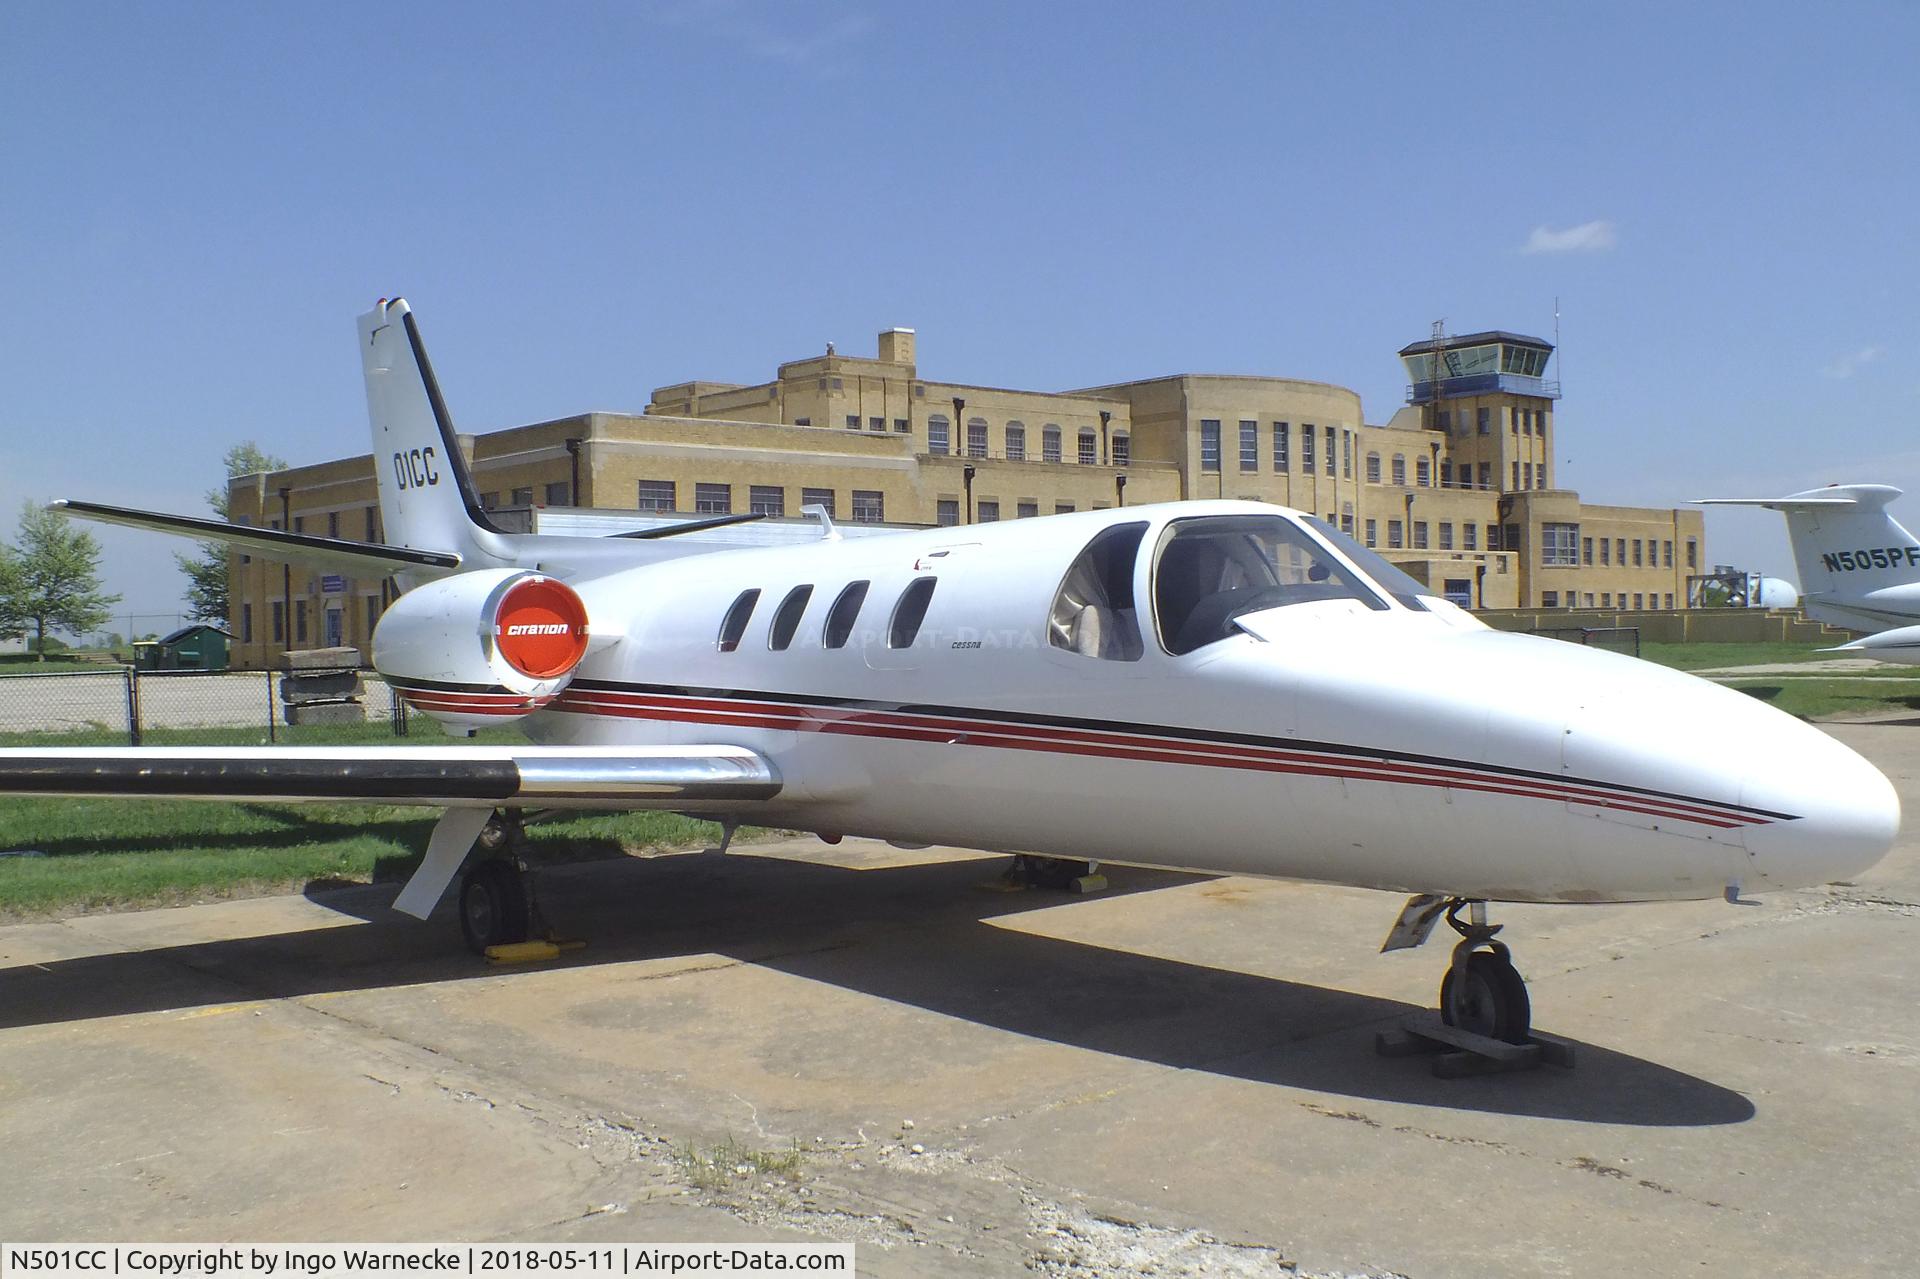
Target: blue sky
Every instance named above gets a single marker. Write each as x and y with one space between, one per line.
585 201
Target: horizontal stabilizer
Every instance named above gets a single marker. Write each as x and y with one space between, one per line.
1864 497
335 554
681 778
694 526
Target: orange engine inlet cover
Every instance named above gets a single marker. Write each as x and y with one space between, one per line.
541 628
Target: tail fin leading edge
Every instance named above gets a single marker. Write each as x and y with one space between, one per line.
427 497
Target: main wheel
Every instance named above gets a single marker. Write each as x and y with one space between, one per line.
1488 998
493 905
1054 872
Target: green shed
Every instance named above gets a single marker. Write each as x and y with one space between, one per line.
191 648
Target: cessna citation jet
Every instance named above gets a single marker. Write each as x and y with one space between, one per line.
1210 686
1858 567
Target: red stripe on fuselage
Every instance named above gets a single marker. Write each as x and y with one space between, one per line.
955 730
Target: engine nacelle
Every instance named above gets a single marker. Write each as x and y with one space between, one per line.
482 648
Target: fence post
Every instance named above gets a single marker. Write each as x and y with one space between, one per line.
271 735
133 705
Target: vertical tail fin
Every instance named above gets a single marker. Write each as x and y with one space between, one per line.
1844 544
427 499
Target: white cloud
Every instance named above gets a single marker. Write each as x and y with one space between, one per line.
1589 237
1845 366
821 48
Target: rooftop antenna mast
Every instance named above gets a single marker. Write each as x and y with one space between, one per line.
1436 372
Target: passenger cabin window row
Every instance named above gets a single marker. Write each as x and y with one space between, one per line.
902 630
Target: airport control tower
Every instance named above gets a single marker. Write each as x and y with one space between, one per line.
1487 393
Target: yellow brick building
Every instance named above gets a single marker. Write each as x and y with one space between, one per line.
1457 487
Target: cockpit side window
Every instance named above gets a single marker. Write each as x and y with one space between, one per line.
1210 570
1093 612
1404 588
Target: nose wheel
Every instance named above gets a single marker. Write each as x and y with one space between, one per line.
1482 992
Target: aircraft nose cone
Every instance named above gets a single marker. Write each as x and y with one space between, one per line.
1840 813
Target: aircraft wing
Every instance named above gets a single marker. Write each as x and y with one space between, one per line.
333 554
469 782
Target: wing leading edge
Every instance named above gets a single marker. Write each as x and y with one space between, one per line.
334 554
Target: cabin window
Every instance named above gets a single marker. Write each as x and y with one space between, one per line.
734 625
843 614
1093 611
786 619
910 612
1213 569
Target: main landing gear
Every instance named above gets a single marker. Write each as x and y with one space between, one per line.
1061 874
497 906
1486 1020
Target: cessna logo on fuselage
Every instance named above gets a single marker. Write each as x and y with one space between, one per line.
539 628
1874 557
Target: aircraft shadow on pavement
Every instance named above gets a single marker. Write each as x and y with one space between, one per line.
919 935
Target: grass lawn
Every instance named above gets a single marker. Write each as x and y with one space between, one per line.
1697 657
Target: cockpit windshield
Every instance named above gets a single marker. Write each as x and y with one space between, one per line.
1404 588
1211 569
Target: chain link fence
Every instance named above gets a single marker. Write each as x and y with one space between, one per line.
121 706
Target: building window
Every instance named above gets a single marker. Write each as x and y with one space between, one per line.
1326 463
1373 468
1446 535
1346 455
1606 552
1422 472
822 498
279 622
523 496
1446 475
1639 600
1249 445
1559 545
876 424
1606 599
767 499
947 512
1526 475
1419 535
299 621
853 421
557 494
333 524
1445 421
1026 510
1666 554
1494 541
937 434
1399 469
373 613
1063 508
373 524
1282 436
1306 447
1049 443
300 521
1586 551
1486 475
1550 599
246 623
1122 450
901 426
1620 551
1511 535
1693 554
1373 533
657 495
869 506
1210 444
1394 534
713 499
976 437
1483 421
1637 562
803 421
987 511
1469 537
1016 442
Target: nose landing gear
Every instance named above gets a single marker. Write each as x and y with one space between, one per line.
1486 1020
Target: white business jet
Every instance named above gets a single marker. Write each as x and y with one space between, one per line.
1220 687
1858 567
